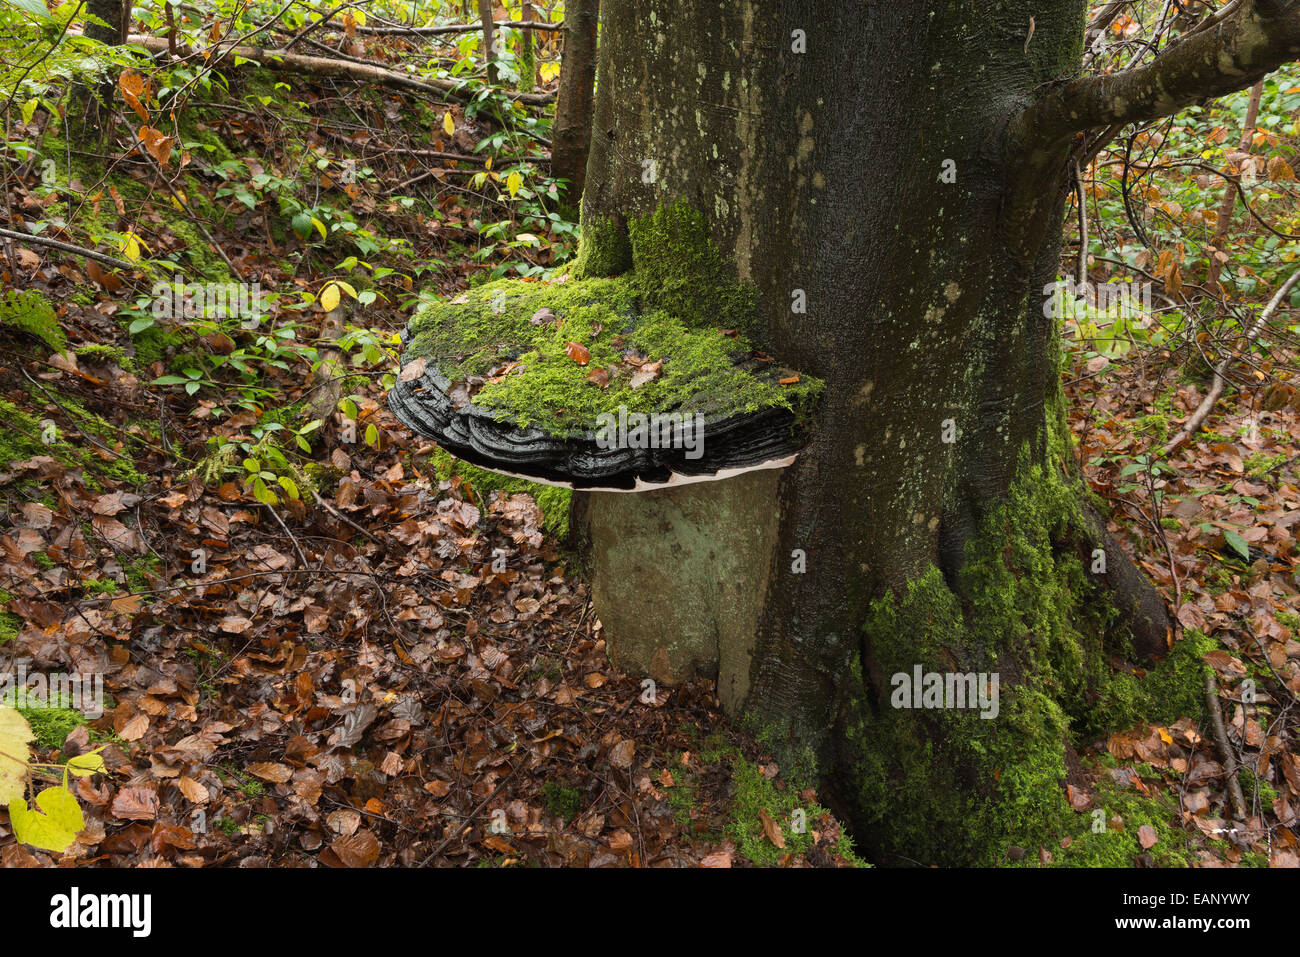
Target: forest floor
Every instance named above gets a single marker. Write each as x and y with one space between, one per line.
396 667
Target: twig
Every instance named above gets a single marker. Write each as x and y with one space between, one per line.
296 547
1203 410
344 519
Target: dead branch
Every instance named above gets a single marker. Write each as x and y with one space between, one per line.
1220 381
282 60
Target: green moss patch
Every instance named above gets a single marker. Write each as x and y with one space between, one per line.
32 313
10 624
22 440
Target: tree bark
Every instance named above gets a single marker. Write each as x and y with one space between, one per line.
97 100
574 107
900 169
116 15
489 44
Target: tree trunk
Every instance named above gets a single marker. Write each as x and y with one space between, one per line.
96 102
856 158
116 15
574 108
489 41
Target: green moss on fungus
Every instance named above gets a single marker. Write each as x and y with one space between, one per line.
532 380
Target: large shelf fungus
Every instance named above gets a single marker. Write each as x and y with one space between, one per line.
577 384
651 380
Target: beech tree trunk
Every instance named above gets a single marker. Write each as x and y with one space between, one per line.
900 168
574 106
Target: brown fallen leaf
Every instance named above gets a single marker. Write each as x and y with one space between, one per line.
621 754
413 370
357 850
648 372
772 830
717 859
577 352
135 804
1147 836
194 791
135 728
271 771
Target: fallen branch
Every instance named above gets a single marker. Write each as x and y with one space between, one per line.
287 62
67 248
452 28
1220 381
1225 746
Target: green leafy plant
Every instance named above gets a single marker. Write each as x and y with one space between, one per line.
54 818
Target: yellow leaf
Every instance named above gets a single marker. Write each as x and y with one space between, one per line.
448 123
1164 736
54 827
513 182
84 765
488 165
329 297
14 735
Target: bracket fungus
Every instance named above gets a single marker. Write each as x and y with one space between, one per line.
572 384
648 381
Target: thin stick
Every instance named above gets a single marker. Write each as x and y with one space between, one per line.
1203 410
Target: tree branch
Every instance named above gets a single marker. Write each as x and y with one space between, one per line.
1231 56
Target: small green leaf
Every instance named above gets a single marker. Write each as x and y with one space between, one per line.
1237 543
